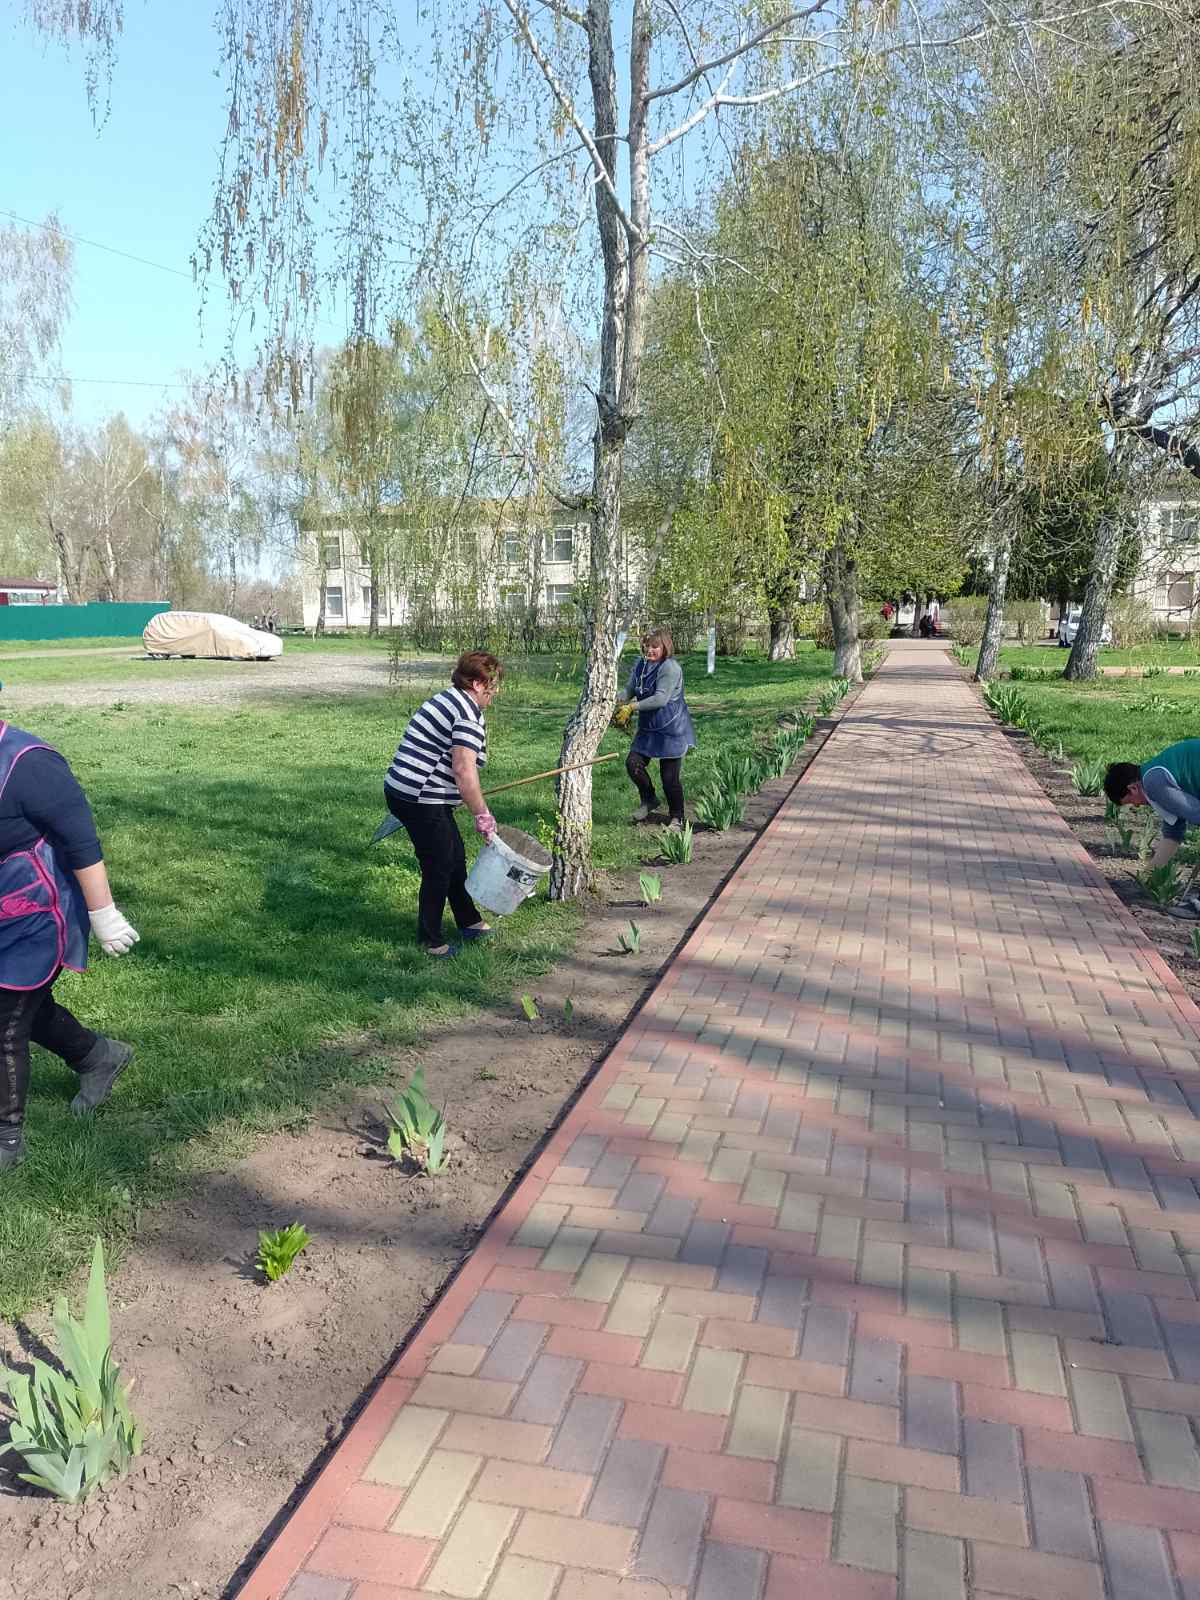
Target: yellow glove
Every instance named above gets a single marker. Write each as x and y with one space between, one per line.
623 715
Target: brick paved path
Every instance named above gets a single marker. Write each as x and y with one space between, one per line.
864 1268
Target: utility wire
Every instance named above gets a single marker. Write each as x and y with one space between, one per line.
158 266
131 383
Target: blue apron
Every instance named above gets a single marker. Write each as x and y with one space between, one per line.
44 921
667 733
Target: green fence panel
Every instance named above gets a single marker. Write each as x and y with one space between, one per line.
99 619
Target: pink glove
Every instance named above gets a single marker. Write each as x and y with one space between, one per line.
485 823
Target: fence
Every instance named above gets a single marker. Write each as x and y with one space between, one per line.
99 619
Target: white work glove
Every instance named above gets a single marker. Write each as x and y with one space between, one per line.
116 934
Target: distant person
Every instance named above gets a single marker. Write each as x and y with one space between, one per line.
53 892
887 611
665 732
1169 783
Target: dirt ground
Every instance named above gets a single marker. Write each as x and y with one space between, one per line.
1170 936
242 1389
200 683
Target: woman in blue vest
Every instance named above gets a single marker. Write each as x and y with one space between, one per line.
665 733
53 892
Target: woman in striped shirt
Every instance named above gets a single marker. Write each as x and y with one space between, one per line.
435 768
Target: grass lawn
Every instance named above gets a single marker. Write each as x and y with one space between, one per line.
278 958
1118 719
1178 653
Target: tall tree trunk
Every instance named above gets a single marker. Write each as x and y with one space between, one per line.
62 559
1081 663
572 871
319 625
839 579
993 627
373 616
626 260
782 593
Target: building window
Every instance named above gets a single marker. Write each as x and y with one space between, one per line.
367 592
560 544
1181 525
333 603
1179 590
331 551
512 601
513 553
558 595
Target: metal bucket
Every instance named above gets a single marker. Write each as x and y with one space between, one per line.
507 871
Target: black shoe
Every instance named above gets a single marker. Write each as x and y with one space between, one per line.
12 1150
98 1071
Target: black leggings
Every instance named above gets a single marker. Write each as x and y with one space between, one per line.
669 769
34 1014
442 857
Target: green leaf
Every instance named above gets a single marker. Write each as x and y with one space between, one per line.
529 1007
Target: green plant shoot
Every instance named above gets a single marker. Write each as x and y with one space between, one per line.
418 1127
277 1251
74 1429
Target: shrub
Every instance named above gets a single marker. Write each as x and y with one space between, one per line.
963 617
1132 622
1026 619
74 1430
1021 674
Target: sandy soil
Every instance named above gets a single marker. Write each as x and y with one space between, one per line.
225 682
242 1389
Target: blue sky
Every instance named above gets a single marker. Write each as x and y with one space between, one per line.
142 183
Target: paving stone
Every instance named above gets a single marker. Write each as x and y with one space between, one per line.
731 1572
469 1556
867 1520
547 1390
670 1545
626 1485
433 1501
1062 1516
584 1436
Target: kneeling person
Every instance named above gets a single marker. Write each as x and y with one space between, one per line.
1170 784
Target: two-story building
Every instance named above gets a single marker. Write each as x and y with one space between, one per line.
490 560
1168 575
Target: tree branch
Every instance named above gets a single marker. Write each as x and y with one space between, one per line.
603 176
763 36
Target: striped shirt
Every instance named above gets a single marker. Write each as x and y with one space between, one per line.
422 767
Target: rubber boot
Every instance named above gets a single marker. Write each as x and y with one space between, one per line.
98 1071
12 1150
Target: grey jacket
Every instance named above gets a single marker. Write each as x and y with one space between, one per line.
669 683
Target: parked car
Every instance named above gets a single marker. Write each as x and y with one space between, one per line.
1068 627
207 634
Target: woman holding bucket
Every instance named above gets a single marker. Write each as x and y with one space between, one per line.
665 733
435 768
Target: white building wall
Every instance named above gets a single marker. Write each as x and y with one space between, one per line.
508 563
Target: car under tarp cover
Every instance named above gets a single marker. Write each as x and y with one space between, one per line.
207 633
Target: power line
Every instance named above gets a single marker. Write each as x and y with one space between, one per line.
130 383
95 244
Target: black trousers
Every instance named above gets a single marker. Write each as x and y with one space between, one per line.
442 857
34 1015
669 769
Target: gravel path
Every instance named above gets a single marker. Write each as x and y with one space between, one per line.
214 683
